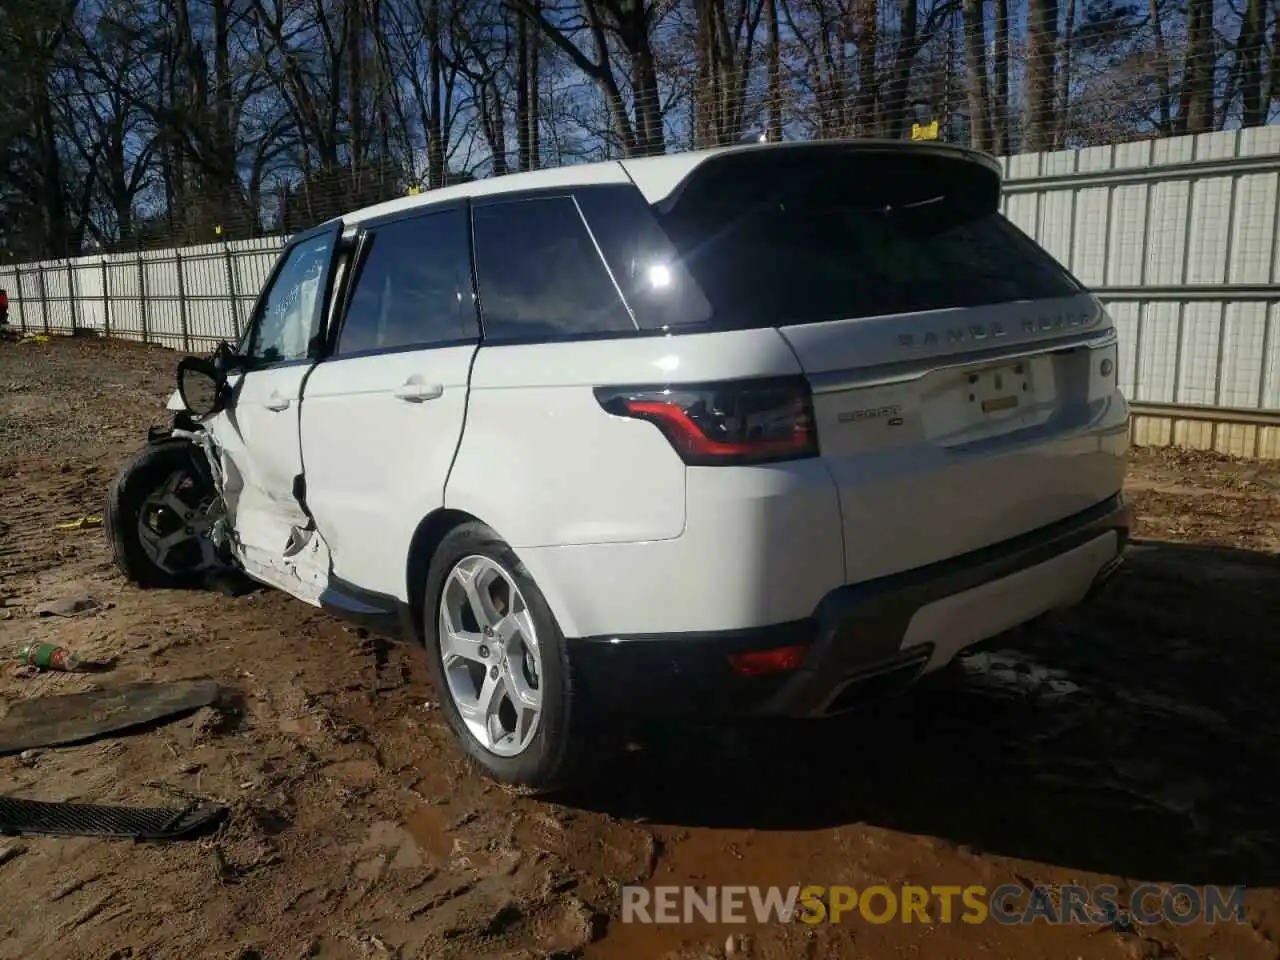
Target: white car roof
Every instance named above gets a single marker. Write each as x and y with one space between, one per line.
656 177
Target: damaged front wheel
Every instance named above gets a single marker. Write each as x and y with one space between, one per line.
160 515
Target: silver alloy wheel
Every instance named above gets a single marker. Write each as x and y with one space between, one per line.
174 526
489 649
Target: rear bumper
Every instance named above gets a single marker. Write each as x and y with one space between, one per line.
864 639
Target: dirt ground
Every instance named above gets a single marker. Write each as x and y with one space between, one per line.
1131 742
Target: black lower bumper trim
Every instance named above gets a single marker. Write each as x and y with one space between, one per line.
377 612
855 632
687 673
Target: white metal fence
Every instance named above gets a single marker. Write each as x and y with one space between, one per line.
187 298
1180 237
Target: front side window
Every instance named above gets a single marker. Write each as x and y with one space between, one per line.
289 319
540 274
413 288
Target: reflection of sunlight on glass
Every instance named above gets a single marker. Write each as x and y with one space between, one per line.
659 276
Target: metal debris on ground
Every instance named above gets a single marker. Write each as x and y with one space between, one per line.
80 523
71 607
11 852
79 717
38 818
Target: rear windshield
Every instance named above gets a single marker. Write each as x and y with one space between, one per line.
875 236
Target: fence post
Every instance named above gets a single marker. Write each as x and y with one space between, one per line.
71 292
22 306
106 299
142 299
44 297
182 303
231 285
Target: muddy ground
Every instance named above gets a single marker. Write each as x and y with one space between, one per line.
1131 742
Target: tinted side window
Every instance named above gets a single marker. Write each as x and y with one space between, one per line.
413 288
540 274
290 315
643 259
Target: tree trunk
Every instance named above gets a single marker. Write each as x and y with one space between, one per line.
435 94
533 116
524 149
705 95
495 128
775 73
633 27
1162 69
1042 42
1195 99
1000 105
1249 50
629 20
1272 73
1064 76
975 48
355 83
223 165
897 121
866 43
53 197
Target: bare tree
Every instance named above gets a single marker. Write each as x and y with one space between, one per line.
1195 98
975 49
173 121
1000 94
626 23
725 47
35 33
1251 49
1042 41
775 71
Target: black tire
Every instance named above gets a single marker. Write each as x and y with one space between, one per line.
562 748
137 480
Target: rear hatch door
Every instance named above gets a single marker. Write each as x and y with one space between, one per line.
956 367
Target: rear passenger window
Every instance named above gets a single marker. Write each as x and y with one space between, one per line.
414 287
540 274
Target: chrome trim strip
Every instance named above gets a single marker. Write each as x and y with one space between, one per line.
890 374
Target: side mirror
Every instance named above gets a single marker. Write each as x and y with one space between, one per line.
201 386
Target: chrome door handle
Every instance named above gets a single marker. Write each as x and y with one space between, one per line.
412 391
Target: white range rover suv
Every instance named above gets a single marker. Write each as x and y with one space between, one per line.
753 431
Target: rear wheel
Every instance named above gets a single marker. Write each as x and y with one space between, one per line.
500 665
160 514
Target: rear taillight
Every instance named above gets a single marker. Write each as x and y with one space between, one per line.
733 422
762 663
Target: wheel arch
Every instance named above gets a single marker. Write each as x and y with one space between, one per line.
426 540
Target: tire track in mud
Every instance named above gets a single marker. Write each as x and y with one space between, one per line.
29 541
